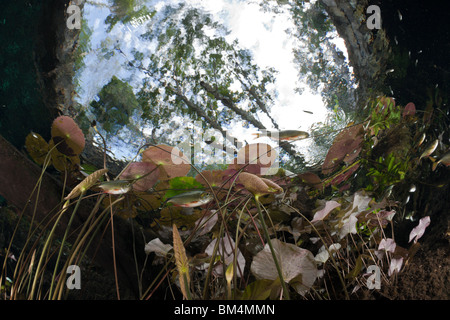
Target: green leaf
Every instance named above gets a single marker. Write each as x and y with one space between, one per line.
37 147
258 290
179 185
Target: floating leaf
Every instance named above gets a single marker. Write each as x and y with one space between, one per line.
86 184
147 202
295 263
257 158
170 161
123 209
179 185
37 147
409 110
418 231
311 179
60 161
214 178
346 147
257 185
68 137
343 175
146 172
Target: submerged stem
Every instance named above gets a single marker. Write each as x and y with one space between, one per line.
275 260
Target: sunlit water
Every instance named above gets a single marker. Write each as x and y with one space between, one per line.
261 32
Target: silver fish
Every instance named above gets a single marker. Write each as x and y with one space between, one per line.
116 186
191 199
284 135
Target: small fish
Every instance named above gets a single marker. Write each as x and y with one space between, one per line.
445 160
284 135
421 140
430 149
191 199
116 186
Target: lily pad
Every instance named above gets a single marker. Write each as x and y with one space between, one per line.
62 162
124 209
146 172
171 161
171 215
256 158
311 179
37 147
68 137
214 178
342 177
179 185
346 148
409 110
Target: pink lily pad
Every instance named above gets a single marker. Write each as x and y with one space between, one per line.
67 136
346 148
171 161
146 172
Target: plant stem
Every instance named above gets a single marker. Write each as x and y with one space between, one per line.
63 241
47 243
326 247
275 260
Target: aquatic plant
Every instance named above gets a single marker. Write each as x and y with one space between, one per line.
258 235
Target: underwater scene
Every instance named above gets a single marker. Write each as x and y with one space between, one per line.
240 150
